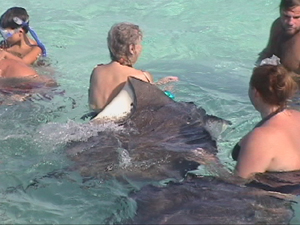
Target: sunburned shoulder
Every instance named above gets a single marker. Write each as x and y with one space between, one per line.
97 69
265 134
288 117
95 75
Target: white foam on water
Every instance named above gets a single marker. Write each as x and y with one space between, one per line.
57 133
12 136
124 158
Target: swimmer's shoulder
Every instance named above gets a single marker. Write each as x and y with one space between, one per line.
100 71
97 68
276 27
139 74
95 72
148 76
98 65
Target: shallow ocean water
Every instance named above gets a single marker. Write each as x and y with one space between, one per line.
211 45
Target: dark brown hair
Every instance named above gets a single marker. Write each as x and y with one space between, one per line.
275 84
119 38
7 18
288 4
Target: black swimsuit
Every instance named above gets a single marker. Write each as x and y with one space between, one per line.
236 149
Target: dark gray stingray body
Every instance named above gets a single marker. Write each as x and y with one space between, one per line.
208 200
156 143
160 140
284 182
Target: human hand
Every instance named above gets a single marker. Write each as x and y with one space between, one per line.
167 80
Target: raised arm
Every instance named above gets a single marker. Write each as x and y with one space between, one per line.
162 81
29 58
166 80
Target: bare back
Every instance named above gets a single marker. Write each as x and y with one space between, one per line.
107 80
287 142
274 146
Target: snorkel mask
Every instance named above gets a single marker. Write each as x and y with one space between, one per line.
22 23
7 34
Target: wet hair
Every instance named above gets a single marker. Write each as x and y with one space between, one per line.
275 84
7 21
288 4
120 37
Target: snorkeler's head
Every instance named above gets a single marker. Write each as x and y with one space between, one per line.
17 18
120 37
8 19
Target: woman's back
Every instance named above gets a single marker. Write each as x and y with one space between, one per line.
274 146
286 131
107 81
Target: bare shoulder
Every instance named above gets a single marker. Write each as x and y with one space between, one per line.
262 137
294 112
148 75
32 41
96 72
139 74
276 24
276 29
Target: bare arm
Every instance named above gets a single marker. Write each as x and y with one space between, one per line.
94 91
166 80
161 81
29 58
256 153
270 49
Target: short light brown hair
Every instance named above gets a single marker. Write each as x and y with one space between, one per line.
120 37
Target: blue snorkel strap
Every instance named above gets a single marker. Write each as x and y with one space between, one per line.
33 34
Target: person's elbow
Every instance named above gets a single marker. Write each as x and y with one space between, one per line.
242 174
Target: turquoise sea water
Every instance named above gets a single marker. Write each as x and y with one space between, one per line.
211 45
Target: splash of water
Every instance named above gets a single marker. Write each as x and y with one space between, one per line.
58 134
124 158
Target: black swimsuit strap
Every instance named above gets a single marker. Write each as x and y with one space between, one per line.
236 149
280 109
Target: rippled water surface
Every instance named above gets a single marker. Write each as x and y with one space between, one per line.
211 45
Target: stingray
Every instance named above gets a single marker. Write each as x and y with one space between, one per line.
158 141
209 200
283 182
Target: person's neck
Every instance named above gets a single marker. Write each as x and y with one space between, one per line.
267 110
129 65
16 44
